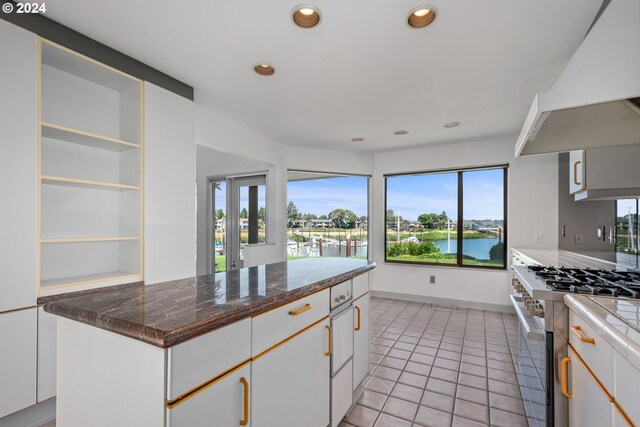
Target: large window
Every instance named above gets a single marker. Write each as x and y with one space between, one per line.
454 218
627 232
327 215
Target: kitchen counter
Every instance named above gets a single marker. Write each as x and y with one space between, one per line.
616 319
166 314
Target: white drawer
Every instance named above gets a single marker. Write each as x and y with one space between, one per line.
598 354
272 327
196 361
360 285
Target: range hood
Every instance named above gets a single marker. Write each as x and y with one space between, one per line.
594 103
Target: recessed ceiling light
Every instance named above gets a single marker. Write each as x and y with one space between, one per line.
305 16
451 124
421 16
400 132
357 139
264 69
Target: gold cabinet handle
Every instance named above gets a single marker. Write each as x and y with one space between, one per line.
563 383
358 310
575 172
328 353
300 310
245 419
578 331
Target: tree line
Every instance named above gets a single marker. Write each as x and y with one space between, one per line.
340 218
431 221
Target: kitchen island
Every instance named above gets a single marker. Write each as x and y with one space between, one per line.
245 347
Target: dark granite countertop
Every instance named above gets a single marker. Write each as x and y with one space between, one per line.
166 314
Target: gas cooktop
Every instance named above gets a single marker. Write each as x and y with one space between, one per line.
590 281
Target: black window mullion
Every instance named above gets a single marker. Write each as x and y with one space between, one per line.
459 227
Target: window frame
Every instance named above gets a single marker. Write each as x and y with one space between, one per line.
460 206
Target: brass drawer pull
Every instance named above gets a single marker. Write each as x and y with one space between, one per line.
565 361
358 310
300 310
328 353
578 331
245 418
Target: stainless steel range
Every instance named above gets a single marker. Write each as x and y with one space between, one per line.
537 295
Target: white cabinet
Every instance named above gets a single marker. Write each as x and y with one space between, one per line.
589 406
361 340
18 167
290 384
46 355
605 173
224 403
17 360
169 180
577 181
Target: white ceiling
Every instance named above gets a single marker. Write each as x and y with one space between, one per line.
361 73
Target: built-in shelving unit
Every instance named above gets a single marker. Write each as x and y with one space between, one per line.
90 172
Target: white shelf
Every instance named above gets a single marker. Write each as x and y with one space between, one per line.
75 136
84 183
88 239
88 279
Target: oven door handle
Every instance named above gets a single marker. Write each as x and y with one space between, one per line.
529 325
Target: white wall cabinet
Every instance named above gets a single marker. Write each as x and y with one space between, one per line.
605 173
224 403
170 186
577 178
361 340
290 384
18 167
18 360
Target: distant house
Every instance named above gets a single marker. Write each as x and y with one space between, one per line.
315 223
244 223
221 224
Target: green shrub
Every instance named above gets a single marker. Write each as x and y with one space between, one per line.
496 253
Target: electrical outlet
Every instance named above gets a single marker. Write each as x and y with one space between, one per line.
432 280
579 239
537 238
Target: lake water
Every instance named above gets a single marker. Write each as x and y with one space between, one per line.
477 248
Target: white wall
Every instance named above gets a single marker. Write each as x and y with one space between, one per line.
223 136
533 208
212 163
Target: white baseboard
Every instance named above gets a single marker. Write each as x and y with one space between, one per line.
445 302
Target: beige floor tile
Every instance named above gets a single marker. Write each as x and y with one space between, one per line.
385 420
362 417
472 411
429 417
379 385
507 419
463 422
471 394
412 394
437 401
472 381
442 387
387 373
400 408
393 362
373 400
444 374
414 380
418 368
506 403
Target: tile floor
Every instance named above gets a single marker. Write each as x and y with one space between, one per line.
440 367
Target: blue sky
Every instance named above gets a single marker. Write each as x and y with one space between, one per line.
409 195
220 197
321 196
412 195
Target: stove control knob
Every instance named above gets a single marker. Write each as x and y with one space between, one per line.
342 297
337 299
